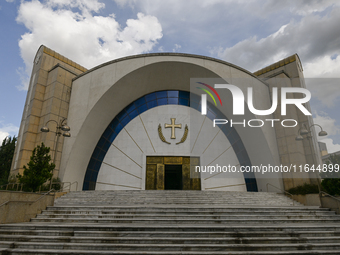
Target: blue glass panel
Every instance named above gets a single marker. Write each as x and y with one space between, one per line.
122 115
101 142
195 105
96 152
172 93
106 146
112 137
211 115
150 97
226 129
114 123
161 94
184 94
236 147
92 185
101 156
142 108
152 104
195 97
183 101
130 108
219 115
241 145
173 100
140 101
107 133
133 114
88 174
97 165
93 176
125 121
162 101
243 158
215 112
118 128
86 186
91 164
235 134
231 138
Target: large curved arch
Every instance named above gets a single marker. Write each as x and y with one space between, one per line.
99 95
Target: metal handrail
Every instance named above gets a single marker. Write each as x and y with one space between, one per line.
70 184
334 198
30 202
322 192
16 183
281 190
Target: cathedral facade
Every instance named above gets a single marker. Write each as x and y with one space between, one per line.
136 123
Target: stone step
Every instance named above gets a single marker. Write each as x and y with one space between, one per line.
168 240
296 234
192 208
85 252
173 213
197 200
175 222
181 217
173 247
172 228
233 221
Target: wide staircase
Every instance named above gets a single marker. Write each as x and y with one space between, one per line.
175 222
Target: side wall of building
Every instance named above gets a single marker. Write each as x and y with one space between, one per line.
289 73
47 99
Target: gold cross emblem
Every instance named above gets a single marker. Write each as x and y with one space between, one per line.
173 126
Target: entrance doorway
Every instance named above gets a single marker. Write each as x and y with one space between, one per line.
172 173
173 177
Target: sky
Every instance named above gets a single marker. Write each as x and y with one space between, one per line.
249 33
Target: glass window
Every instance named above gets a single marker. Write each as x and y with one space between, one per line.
150 97
161 94
172 93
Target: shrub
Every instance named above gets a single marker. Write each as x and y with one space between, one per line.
304 189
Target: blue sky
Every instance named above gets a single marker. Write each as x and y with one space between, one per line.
248 33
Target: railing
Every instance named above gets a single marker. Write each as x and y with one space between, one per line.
70 185
337 200
19 186
29 202
13 185
286 192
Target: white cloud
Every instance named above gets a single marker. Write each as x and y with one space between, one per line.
177 47
7 130
312 37
327 66
301 7
24 78
331 147
81 36
323 79
327 123
330 126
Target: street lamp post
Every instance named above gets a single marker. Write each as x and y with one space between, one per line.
61 126
307 131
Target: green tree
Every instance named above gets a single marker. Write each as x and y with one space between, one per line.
39 169
331 179
6 156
